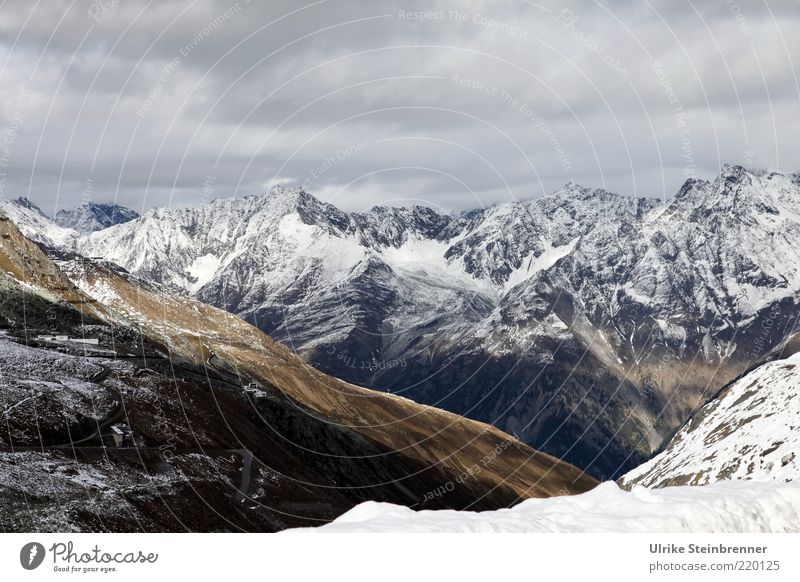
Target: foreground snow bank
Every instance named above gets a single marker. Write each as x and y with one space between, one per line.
731 506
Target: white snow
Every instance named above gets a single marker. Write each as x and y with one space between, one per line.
631 292
425 257
202 269
337 256
532 264
733 506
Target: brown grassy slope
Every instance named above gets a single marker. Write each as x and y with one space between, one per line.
201 332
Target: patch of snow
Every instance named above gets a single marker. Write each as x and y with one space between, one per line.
35 225
631 292
203 270
426 257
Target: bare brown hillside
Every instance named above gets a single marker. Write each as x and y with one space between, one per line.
436 438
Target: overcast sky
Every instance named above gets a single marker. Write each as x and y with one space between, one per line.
364 102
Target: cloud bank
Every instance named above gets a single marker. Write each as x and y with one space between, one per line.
450 104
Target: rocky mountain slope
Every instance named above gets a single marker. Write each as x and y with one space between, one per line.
587 323
396 426
231 431
751 430
35 224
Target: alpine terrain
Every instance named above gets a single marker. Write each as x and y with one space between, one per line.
590 325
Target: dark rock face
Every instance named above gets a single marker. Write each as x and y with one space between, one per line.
27 203
92 216
591 324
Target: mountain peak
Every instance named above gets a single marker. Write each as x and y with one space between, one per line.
293 193
291 198
571 188
738 194
574 190
94 216
690 185
738 171
27 203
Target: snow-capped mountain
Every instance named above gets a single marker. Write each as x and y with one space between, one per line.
35 224
93 216
304 271
666 308
751 430
68 224
589 324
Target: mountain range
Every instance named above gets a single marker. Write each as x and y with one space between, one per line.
129 407
589 324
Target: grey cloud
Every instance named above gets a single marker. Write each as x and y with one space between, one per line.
161 95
